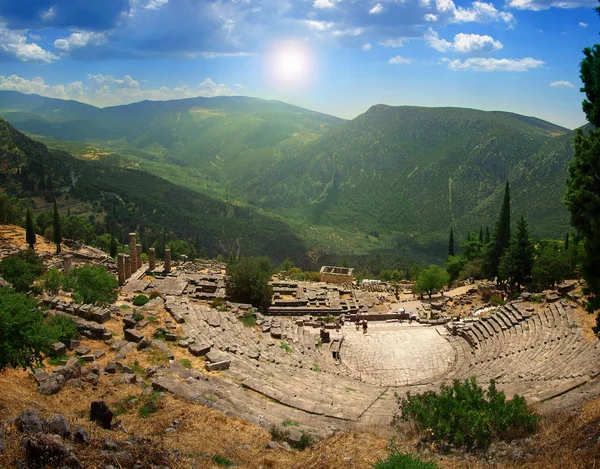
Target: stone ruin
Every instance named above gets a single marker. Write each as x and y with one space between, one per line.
337 275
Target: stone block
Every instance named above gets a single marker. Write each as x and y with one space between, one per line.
222 365
133 336
82 350
199 349
58 349
72 344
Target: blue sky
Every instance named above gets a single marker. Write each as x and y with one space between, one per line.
335 56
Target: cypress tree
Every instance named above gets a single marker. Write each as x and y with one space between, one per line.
29 230
501 239
567 242
487 235
481 234
451 243
517 261
57 230
113 244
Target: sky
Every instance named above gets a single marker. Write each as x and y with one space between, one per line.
339 57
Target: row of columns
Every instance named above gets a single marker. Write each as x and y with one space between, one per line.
127 264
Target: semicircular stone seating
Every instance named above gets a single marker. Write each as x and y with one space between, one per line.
281 370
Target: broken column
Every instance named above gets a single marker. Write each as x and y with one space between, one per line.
152 258
127 266
132 251
68 262
167 260
138 256
121 268
183 258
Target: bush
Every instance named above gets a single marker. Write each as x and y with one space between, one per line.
52 281
22 269
23 335
249 319
465 415
61 328
248 282
155 294
496 300
94 285
399 460
140 300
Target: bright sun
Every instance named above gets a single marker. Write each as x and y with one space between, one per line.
290 64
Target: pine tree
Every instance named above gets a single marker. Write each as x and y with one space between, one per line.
451 243
57 229
30 238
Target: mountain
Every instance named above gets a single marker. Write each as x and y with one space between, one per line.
391 181
416 171
133 199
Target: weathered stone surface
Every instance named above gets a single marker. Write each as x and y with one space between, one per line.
215 356
199 349
72 344
58 425
82 350
133 336
110 367
216 366
170 337
58 349
294 436
160 345
43 450
142 344
128 378
29 422
52 385
101 414
40 375
80 436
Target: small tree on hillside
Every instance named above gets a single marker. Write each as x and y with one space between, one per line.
21 269
30 238
57 233
517 262
113 245
93 285
451 243
248 281
433 278
23 338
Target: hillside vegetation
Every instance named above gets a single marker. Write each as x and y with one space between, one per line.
390 182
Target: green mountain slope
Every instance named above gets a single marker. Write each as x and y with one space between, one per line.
137 200
416 171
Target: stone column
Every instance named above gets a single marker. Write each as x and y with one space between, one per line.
68 262
132 251
127 266
121 268
138 256
152 258
167 260
183 258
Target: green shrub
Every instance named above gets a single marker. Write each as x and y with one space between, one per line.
155 294
247 281
398 460
23 334
464 414
496 300
306 440
221 461
285 347
21 269
140 300
186 363
62 328
249 319
150 405
52 281
290 423
94 285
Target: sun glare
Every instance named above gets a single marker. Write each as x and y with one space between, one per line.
291 64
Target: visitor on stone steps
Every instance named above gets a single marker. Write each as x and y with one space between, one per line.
357 322
365 326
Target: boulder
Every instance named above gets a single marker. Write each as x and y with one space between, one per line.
82 350
101 414
57 425
199 349
40 375
133 336
52 385
80 436
43 450
29 422
57 349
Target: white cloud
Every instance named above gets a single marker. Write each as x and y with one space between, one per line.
215 55
538 5
479 12
156 4
481 64
348 32
376 9
237 85
325 3
106 90
463 43
49 14
396 42
583 25
397 60
319 25
366 46
79 39
14 43
430 17
561 84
